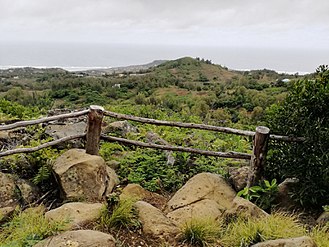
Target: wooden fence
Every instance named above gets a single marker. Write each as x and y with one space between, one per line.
93 136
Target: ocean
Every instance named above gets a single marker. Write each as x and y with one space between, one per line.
82 56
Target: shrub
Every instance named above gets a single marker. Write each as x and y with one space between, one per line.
305 112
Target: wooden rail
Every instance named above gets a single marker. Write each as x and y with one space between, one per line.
198 126
42 120
45 145
93 136
233 155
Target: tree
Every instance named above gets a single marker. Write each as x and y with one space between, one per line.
305 112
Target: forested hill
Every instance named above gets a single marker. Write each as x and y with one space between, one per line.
175 85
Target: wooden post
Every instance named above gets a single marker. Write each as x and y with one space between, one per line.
95 117
259 154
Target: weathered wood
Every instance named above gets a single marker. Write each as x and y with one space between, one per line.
198 126
234 155
42 120
179 124
94 127
45 145
259 154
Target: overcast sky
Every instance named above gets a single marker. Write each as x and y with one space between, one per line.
286 24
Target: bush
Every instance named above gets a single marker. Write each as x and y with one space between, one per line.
305 112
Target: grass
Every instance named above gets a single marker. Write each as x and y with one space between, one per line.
27 228
247 231
201 232
123 215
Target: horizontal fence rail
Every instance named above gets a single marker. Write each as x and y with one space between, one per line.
198 126
42 120
45 145
234 155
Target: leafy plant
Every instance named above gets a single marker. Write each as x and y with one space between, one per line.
263 195
201 232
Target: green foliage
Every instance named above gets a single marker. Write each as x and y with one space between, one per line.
27 228
305 113
11 109
262 195
122 215
201 232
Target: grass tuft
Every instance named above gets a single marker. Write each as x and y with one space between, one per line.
27 228
245 232
123 215
201 232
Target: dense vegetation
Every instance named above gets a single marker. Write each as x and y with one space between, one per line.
187 90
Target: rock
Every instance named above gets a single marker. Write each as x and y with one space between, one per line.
283 198
204 209
8 190
291 242
80 238
124 127
14 191
154 221
239 177
156 139
77 214
246 208
137 191
323 218
83 176
5 213
58 131
203 186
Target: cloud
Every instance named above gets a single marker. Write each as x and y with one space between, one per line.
212 22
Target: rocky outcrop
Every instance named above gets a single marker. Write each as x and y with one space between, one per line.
323 218
83 176
80 238
75 214
14 191
203 186
292 242
283 198
154 222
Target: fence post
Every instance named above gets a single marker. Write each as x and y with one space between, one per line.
259 154
95 117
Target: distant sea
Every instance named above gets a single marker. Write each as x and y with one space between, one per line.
82 56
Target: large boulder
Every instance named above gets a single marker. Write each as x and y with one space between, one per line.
14 191
291 242
323 218
204 209
122 127
283 198
203 186
83 176
76 214
80 238
154 221
5 213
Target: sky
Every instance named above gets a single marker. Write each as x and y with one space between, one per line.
273 25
